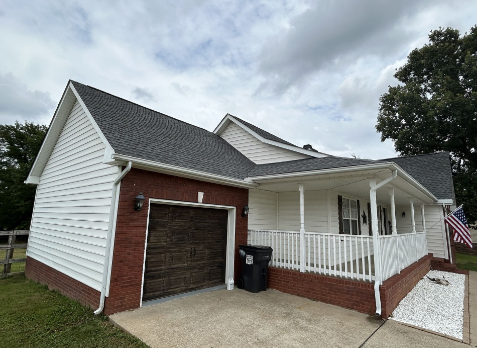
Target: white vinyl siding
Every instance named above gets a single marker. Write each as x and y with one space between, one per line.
435 236
72 204
254 149
263 210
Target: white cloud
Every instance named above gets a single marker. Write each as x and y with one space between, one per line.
307 72
18 102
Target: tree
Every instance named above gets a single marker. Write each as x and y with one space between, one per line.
19 145
434 108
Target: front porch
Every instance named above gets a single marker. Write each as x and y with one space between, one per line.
364 226
345 256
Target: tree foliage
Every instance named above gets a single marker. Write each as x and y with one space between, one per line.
434 108
19 145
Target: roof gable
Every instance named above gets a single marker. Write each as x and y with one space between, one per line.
264 136
63 110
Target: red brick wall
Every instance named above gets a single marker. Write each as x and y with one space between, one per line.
440 264
398 286
126 276
56 280
350 294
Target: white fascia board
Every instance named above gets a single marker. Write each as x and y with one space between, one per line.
32 179
228 118
364 167
183 172
109 152
445 201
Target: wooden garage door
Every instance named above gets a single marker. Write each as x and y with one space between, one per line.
186 250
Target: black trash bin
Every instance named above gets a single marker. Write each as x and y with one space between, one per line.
255 261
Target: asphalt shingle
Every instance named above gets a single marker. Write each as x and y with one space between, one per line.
137 131
140 132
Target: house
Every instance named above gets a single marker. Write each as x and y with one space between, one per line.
353 232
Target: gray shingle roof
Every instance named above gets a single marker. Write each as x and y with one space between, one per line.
140 132
433 171
137 131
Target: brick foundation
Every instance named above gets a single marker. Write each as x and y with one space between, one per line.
126 276
398 286
38 271
440 264
350 294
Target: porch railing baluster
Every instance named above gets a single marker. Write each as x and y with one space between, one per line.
345 255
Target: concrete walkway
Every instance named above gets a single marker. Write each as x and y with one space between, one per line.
268 319
473 307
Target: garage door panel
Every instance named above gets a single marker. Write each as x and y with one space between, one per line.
178 213
159 213
217 214
198 277
186 251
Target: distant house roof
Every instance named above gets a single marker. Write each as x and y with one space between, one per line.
139 132
136 131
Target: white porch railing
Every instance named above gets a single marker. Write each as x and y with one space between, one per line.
348 256
399 251
341 255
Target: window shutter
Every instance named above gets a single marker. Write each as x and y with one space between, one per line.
385 221
340 213
359 218
369 220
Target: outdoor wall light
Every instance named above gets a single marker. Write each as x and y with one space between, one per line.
245 211
139 201
403 214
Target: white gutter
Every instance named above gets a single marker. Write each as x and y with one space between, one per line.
377 256
108 254
364 167
184 172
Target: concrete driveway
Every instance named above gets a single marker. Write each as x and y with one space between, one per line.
268 319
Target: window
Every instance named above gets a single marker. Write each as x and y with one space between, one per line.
350 216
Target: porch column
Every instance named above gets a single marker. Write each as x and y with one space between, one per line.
413 220
423 218
302 228
393 212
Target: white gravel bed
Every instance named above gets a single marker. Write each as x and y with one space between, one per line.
434 306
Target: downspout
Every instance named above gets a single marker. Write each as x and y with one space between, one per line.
108 253
377 256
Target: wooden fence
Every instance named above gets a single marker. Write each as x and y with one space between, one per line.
9 248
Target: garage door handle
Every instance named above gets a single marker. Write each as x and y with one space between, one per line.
194 251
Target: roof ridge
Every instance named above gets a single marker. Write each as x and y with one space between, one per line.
142 106
421 154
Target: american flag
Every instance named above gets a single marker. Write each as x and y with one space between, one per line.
457 220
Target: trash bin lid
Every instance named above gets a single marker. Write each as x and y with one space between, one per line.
255 248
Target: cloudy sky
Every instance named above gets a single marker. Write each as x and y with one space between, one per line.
307 71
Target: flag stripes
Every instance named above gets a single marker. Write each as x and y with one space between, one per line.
458 222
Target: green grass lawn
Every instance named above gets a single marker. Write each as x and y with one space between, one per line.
33 316
465 261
